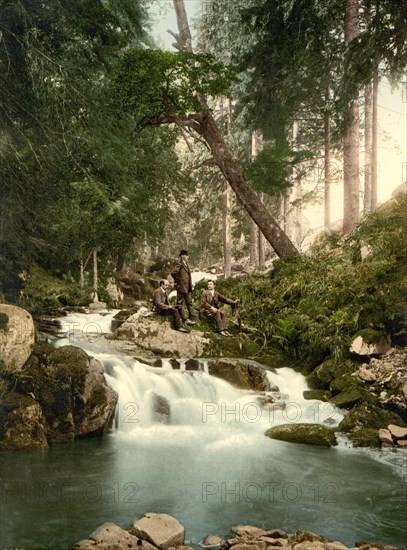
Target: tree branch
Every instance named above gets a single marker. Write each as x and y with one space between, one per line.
206 162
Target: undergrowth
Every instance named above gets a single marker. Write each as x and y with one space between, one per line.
312 306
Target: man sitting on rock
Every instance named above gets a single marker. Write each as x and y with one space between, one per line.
163 307
209 307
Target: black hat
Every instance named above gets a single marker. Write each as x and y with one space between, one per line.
183 253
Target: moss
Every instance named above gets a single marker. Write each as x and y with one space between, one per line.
13 400
309 434
321 395
344 382
365 437
369 416
97 398
347 398
57 380
372 336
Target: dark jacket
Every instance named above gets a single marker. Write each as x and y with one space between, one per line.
160 300
182 278
208 301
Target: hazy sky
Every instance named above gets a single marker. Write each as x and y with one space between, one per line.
392 113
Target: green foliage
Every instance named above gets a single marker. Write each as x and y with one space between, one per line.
157 83
43 291
272 168
72 179
313 306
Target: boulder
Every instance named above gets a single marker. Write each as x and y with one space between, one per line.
360 346
245 376
72 392
161 409
155 334
111 537
309 434
397 432
22 424
385 438
99 402
366 374
248 531
212 540
161 530
17 335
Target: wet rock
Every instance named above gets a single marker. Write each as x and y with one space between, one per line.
309 434
241 375
212 540
161 530
22 424
155 334
17 335
111 537
161 409
192 364
248 531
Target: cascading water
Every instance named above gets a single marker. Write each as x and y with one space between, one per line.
191 445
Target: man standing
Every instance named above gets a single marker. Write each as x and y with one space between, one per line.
209 307
163 307
183 284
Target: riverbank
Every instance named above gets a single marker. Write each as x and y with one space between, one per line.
163 532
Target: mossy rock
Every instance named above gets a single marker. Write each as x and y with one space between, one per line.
373 336
369 416
343 382
21 423
308 434
365 437
348 398
321 395
327 371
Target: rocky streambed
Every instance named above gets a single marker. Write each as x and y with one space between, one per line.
164 532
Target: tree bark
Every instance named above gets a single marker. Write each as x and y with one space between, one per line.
81 274
367 195
207 128
375 125
262 241
227 230
251 202
327 164
95 275
351 137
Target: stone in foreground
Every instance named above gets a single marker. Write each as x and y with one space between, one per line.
162 530
308 434
112 537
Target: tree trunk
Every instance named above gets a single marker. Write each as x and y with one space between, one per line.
81 274
227 230
208 129
367 195
375 95
351 137
262 241
95 275
259 245
327 164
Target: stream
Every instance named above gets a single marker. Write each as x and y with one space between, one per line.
211 466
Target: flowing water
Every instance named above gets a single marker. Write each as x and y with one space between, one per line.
191 445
